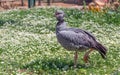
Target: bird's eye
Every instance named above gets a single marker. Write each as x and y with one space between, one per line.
57 13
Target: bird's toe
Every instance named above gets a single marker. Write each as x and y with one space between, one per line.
75 66
87 64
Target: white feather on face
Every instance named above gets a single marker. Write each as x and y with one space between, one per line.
59 14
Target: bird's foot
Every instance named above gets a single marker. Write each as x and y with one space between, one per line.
86 60
87 64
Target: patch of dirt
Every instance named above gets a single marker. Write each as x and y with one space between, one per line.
18 5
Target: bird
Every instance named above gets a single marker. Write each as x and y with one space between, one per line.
75 39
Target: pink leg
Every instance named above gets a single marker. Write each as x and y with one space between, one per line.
86 56
75 58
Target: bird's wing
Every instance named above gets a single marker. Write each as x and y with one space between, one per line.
85 32
77 37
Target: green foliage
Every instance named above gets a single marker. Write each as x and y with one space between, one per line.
28 44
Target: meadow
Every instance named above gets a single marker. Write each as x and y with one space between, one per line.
28 45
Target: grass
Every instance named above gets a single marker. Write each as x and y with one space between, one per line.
28 45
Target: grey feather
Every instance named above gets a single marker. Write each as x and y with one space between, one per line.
76 39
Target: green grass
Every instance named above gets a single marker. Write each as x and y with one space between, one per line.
28 44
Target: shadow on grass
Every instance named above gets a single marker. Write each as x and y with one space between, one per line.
2 22
1 50
52 64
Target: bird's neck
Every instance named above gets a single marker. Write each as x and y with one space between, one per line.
61 25
60 22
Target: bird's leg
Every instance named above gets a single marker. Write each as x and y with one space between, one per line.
86 56
75 59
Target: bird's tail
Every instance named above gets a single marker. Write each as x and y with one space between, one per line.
101 49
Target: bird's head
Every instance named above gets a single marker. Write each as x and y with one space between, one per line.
59 14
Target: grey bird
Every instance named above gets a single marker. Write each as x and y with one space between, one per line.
74 39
